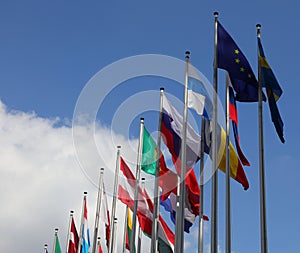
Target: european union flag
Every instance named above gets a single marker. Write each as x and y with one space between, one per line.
273 88
232 59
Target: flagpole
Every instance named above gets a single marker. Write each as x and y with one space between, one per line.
68 236
214 200
114 202
200 233
263 219
98 244
115 235
228 201
138 172
45 248
55 236
99 198
125 230
140 230
81 224
154 238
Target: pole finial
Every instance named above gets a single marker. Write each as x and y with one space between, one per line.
143 179
162 89
84 193
187 54
101 169
216 14
45 245
71 212
56 231
258 27
142 120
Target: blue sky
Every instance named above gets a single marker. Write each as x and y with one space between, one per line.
51 49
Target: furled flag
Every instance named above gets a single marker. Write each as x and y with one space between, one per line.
57 248
85 231
232 59
236 168
171 129
145 208
233 114
273 88
129 230
73 241
105 215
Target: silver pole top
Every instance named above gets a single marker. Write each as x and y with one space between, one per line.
142 120
162 89
258 27
71 212
187 54
118 147
56 231
45 245
216 14
85 193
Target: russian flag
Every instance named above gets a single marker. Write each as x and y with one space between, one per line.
85 231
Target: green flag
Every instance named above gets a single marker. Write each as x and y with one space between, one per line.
149 154
57 248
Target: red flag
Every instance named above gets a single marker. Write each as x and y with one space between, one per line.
73 241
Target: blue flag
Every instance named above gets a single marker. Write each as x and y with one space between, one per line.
232 59
273 88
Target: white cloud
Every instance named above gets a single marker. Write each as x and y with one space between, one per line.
41 180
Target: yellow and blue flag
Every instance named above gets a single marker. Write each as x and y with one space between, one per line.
232 59
273 88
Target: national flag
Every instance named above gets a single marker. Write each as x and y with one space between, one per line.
233 114
105 215
171 128
149 153
57 248
129 230
73 241
232 59
236 168
198 94
273 88
145 207
85 231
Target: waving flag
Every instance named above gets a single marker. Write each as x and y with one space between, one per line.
105 216
85 231
73 242
144 210
232 59
273 88
233 114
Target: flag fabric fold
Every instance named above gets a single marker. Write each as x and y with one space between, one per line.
73 241
233 115
232 59
273 88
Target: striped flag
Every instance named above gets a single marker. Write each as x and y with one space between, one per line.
85 231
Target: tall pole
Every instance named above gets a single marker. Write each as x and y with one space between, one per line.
200 233
154 238
114 202
125 230
115 235
180 215
228 202
140 230
68 236
263 219
214 192
55 237
81 224
99 198
138 172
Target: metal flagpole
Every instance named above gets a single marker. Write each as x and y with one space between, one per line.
45 248
81 224
140 230
55 236
154 238
99 198
214 192
98 244
125 230
138 172
180 214
200 233
114 202
68 236
228 202
114 236
263 219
